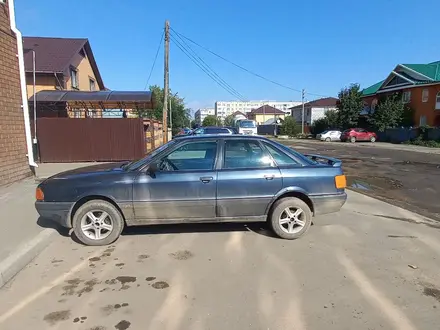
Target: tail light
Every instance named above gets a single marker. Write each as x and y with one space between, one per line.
39 195
340 181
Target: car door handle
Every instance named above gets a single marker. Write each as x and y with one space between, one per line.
206 179
269 176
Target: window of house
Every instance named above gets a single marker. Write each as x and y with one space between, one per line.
74 78
422 120
191 156
76 113
92 84
374 104
92 114
406 97
425 95
245 154
437 101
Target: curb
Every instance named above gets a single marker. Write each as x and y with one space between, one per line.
15 262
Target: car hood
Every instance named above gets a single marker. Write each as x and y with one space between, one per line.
99 169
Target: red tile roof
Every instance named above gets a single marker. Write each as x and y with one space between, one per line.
267 110
324 102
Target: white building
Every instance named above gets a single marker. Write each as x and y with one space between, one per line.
202 113
226 108
313 110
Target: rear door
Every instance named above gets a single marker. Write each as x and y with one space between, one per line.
247 180
362 134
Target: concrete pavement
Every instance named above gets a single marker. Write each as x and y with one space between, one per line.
371 266
23 235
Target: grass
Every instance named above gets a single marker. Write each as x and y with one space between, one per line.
424 143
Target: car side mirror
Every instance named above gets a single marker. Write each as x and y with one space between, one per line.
152 169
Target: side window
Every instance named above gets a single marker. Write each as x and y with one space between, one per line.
280 157
191 156
245 154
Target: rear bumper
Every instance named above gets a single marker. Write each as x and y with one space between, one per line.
328 203
57 212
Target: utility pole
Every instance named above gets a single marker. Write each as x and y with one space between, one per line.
303 93
166 82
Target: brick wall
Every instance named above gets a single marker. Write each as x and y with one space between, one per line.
13 161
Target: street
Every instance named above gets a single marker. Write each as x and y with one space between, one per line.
404 178
370 266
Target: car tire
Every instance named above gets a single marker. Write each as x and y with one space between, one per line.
353 139
279 214
106 215
372 139
328 140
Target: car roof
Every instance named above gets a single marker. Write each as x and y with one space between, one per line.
223 136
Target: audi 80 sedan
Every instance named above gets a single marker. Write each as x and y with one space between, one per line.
223 178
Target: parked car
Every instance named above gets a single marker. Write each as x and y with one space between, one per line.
183 132
358 134
332 135
217 178
209 130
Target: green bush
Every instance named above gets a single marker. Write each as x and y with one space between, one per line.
419 141
290 127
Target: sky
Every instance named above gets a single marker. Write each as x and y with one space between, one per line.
319 45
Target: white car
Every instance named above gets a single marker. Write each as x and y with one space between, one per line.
329 136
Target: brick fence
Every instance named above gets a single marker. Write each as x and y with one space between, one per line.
13 161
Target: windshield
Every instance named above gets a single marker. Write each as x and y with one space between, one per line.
324 132
135 165
247 124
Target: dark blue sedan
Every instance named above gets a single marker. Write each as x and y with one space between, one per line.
223 178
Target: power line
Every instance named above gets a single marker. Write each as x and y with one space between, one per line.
241 67
155 59
188 47
206 69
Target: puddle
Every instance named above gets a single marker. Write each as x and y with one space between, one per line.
55 317
432 292
181 255
373 183
123 325
160 285
360 185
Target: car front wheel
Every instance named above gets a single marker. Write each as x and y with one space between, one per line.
97 222
327 140
290 218
372 139
353 139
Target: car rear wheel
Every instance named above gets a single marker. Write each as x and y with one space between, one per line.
353 139
97 222
290 218
327 140
372 139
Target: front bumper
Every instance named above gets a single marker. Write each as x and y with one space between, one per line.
57 212
328 203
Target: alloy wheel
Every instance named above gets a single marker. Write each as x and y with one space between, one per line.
292 220
96 224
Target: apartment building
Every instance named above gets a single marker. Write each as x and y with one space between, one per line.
226 108
202 113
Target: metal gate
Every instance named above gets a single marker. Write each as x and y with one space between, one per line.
63 140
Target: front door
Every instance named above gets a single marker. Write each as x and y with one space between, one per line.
183 187
247 181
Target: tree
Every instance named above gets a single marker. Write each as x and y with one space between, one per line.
329 121
210 120
229 120
349 105
389 113
180 114
290 126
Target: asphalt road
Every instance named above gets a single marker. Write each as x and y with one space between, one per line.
404 178
371 266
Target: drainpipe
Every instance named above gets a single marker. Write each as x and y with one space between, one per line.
24 100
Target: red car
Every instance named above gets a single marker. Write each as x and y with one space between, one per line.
358 134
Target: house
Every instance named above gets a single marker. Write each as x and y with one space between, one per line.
15 144
61 64
313 110
419 86
265 112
